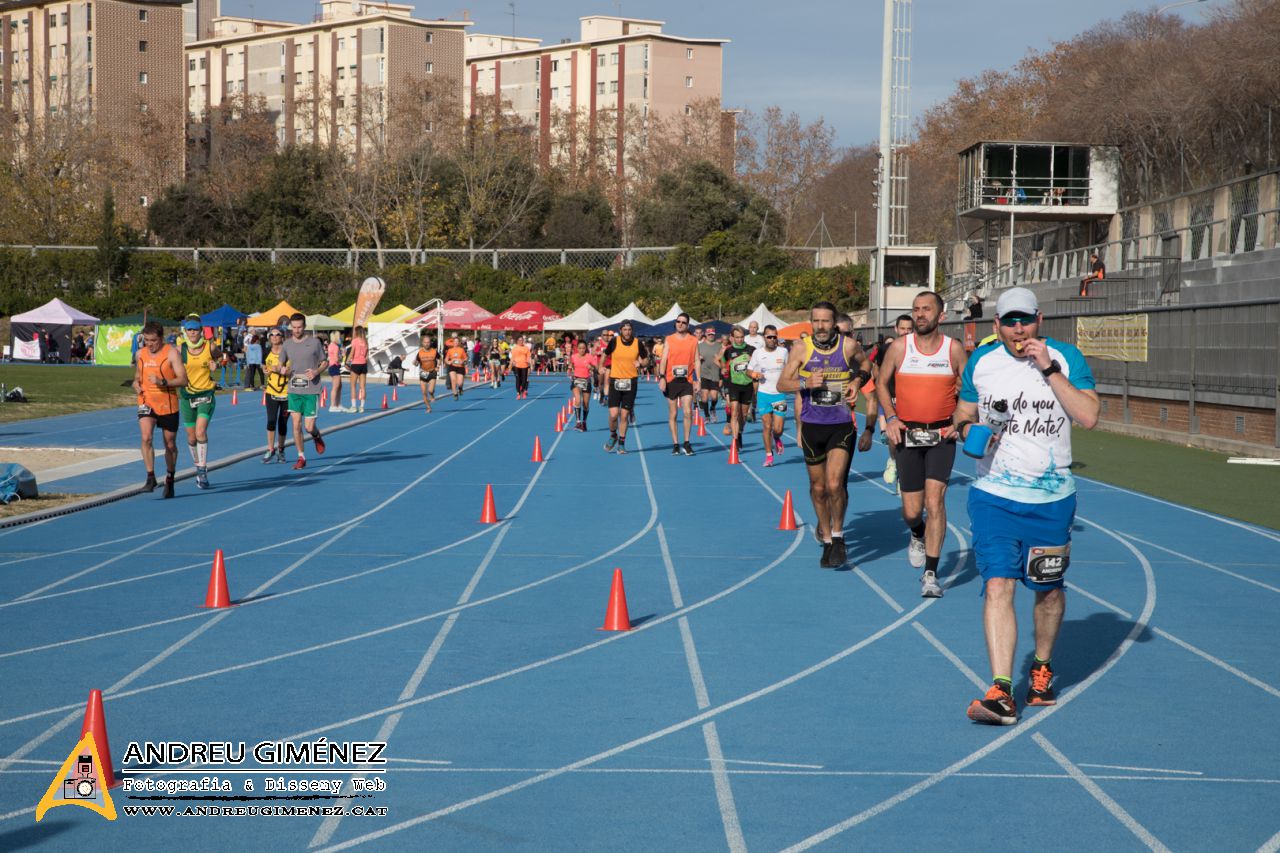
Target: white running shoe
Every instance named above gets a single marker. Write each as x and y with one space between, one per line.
891 471
929 586
915 553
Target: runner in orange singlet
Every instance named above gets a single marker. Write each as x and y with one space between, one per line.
158 374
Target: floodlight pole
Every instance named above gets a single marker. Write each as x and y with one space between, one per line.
885 170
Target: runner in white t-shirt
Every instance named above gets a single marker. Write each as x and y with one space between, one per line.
756 341
765 367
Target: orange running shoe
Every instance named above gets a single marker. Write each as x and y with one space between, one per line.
996 708
1041 691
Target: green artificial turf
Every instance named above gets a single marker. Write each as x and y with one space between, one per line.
63 389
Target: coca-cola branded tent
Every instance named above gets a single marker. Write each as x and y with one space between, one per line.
460 314
521 317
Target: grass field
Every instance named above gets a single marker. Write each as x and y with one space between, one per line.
1186 475
63 389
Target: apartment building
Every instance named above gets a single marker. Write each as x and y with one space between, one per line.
620 70
329 80
113 65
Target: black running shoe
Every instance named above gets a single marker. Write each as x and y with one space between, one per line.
997 708
150 484
838 556
688 449
825 562
675 450
168 486
1041 691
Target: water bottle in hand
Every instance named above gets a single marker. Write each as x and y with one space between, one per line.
982 437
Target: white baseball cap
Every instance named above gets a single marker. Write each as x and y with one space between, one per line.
1017 300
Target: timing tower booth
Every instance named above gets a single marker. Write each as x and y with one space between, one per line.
907 271
1003 183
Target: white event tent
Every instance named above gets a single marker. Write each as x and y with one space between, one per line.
631 312
585 317
763 316
673 312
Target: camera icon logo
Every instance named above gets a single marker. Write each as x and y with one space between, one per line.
83 785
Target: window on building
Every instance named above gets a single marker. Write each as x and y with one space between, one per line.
555 92
430 126
297 48
297 78
202 63
142 77
555 65
53 78
342 102
353 71
142 14
142 106
191 65
142 47
65 18
191 93
613 87
342 72
688 53
143 201
88 46
90 81
53 20
613 58
428 38
88 16
382 69
688 110
430 68
600 88
600 60
342 44
688 82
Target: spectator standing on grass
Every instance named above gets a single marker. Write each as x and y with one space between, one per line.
253 362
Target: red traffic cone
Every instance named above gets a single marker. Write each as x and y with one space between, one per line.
537 449
235 397
616 617
384 401
788 520
218 596
733 453
395 394
702 429
264 398
95 723
324 397
560 421
488 515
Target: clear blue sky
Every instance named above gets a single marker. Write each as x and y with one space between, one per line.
818 58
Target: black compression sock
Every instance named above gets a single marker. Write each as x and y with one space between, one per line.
931 564
917 530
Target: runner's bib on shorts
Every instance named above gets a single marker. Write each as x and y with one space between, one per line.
200 400
622 384
584 384
1047 564
921 438
679 371
299 381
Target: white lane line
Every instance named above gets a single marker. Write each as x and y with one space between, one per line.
1271 845
1191 559
974 679
774 764
1117 811
1259 531
878 590
1141 769
330 824
1140 625
26 748
711 737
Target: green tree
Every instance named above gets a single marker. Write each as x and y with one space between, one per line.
696 199
578 219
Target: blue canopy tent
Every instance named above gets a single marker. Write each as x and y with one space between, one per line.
661 330
222 318
642 330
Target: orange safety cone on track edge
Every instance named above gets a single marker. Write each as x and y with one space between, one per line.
537 450
733 452
217 595
788 520
395 394
616 617
702 429
235 397
488 515
384 401
95 723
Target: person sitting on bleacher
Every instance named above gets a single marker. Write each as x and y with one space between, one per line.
1097 272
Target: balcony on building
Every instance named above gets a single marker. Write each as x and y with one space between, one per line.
1038 181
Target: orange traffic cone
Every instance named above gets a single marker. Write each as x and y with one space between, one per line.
395 394
788 520
733 453
384 401
616 617
537 449
95 723
488 515
235 397
324 397
702 428
264 398
218 596
560 421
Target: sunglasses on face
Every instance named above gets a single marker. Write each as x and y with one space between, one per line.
1017 319
682 322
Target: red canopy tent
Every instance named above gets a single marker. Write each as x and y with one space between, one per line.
521 317
457 315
